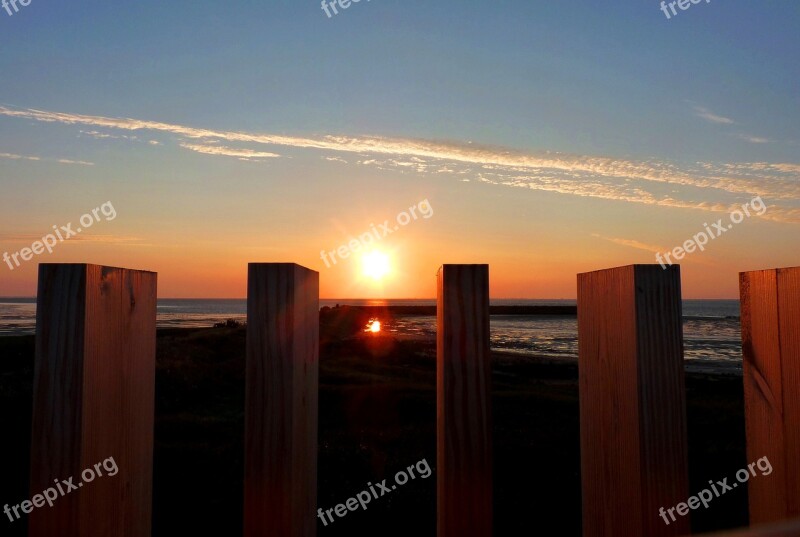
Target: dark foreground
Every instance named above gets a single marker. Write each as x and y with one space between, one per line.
377 416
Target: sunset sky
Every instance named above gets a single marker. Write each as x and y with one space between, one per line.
549 138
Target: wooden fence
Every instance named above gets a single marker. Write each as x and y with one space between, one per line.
94 398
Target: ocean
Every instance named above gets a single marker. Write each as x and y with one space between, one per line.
711 328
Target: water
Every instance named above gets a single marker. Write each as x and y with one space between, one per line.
711 327
17 316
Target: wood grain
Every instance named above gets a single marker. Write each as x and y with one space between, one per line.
632 401
770 302
281 400
94 394
464 429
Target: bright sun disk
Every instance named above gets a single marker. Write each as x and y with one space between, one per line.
375 264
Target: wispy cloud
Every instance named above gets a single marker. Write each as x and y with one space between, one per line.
242 154
103 135
708 115
18 157
108 136
752 139
79 162
654 249
27 238
112 239
631 243
650 181
40 159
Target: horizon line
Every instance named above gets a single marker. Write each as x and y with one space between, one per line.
431 298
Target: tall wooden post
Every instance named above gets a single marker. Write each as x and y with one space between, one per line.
771 352
632 401
281 401
94 393
463 392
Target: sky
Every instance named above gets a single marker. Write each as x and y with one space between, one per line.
543 138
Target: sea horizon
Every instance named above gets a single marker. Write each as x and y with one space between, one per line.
433 299
711 326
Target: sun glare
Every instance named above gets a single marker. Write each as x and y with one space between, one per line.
375 264
374 326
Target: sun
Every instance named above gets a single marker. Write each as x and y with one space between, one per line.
375 264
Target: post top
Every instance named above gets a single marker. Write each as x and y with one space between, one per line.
779 269
458 265
635 266
289 265
92 266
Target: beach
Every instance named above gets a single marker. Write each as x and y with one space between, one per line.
377 416
527 327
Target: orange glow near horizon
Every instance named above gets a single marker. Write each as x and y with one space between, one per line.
213 263
548 273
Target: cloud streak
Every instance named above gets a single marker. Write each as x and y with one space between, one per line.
704 186
18 157
242 154
40 159
753 139
708 115
631 243
109 239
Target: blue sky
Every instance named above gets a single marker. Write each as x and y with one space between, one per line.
673 105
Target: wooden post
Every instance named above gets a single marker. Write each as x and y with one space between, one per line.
463 393
94 396
632 401
280 488
771 354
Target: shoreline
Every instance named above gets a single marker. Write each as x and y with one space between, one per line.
431 310
712 368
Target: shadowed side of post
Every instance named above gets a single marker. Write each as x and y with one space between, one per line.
464 425
281 400
770 302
